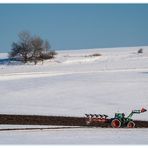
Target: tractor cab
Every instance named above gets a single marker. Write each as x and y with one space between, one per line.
119 115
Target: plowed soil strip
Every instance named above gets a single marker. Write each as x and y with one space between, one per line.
54 120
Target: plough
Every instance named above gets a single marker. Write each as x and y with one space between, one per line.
119 120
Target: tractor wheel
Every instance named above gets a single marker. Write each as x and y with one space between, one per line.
131 124
116 123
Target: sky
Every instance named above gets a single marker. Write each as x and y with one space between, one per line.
76 26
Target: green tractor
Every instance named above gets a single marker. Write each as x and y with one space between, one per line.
121 121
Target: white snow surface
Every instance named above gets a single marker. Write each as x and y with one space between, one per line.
74 136
73 84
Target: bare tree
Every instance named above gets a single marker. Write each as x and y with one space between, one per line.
15 50
22 48
37 46
31 49
24 37
46 46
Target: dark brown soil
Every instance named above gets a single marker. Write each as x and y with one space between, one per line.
55 120
41 120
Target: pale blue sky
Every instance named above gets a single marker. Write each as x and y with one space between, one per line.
75 26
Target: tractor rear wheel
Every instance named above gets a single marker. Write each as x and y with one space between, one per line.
116 123
131 124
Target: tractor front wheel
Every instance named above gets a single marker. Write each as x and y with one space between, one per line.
131 124
116 123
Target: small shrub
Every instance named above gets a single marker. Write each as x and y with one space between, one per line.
48 55
93 55
96 54
140 50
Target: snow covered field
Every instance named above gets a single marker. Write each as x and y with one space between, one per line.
76 136
73 84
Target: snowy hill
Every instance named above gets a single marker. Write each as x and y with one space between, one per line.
75 83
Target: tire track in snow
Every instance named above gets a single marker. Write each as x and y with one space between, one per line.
14 76
41 128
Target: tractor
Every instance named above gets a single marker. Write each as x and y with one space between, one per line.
121 121
118 121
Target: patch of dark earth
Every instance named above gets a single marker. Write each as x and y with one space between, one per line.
74 122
